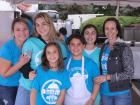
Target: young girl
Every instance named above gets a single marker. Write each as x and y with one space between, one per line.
82 72
51 81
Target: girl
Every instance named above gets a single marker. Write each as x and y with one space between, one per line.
117 66
11 61
45 33
51 81
91 51
82 72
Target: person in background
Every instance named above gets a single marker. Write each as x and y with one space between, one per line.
82 72
51 80
91 51
116 65
45 33
11 60
63 33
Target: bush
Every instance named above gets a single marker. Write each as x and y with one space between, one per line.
124 21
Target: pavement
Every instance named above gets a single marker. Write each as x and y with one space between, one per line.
136 92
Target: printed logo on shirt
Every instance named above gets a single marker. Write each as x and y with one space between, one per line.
104 60
76 71
38 58
50 91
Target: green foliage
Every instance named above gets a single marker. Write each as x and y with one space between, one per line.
124 21
107 10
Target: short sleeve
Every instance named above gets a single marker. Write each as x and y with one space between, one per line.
27 48
5 53
65 81
35 83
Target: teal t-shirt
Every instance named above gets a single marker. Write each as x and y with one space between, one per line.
94 55
35 46
9 51
49 84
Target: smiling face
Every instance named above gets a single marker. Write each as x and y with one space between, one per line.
52 55
76 48
20 31
90 35
42 27
111 31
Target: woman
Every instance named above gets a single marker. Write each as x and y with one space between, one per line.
91 51
45 33
117 67
11 61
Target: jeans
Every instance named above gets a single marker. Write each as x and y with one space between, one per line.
123 99
23 96
7 95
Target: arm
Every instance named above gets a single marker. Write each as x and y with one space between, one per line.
94 94
32 75
33 97
61 98
8 70
26 69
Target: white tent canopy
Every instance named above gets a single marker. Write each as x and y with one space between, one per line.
134 3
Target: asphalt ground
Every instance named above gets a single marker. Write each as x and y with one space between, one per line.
136 92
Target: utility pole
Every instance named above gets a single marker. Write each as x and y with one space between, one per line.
117 9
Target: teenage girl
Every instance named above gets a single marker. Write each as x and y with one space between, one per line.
91 51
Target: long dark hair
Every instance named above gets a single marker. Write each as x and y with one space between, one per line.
45 62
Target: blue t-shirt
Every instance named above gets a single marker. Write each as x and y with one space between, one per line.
49 84
35 46
104 86
94 55
9 51
90 70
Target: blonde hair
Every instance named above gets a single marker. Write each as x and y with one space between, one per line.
52 32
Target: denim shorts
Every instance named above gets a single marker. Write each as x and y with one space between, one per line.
7 95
